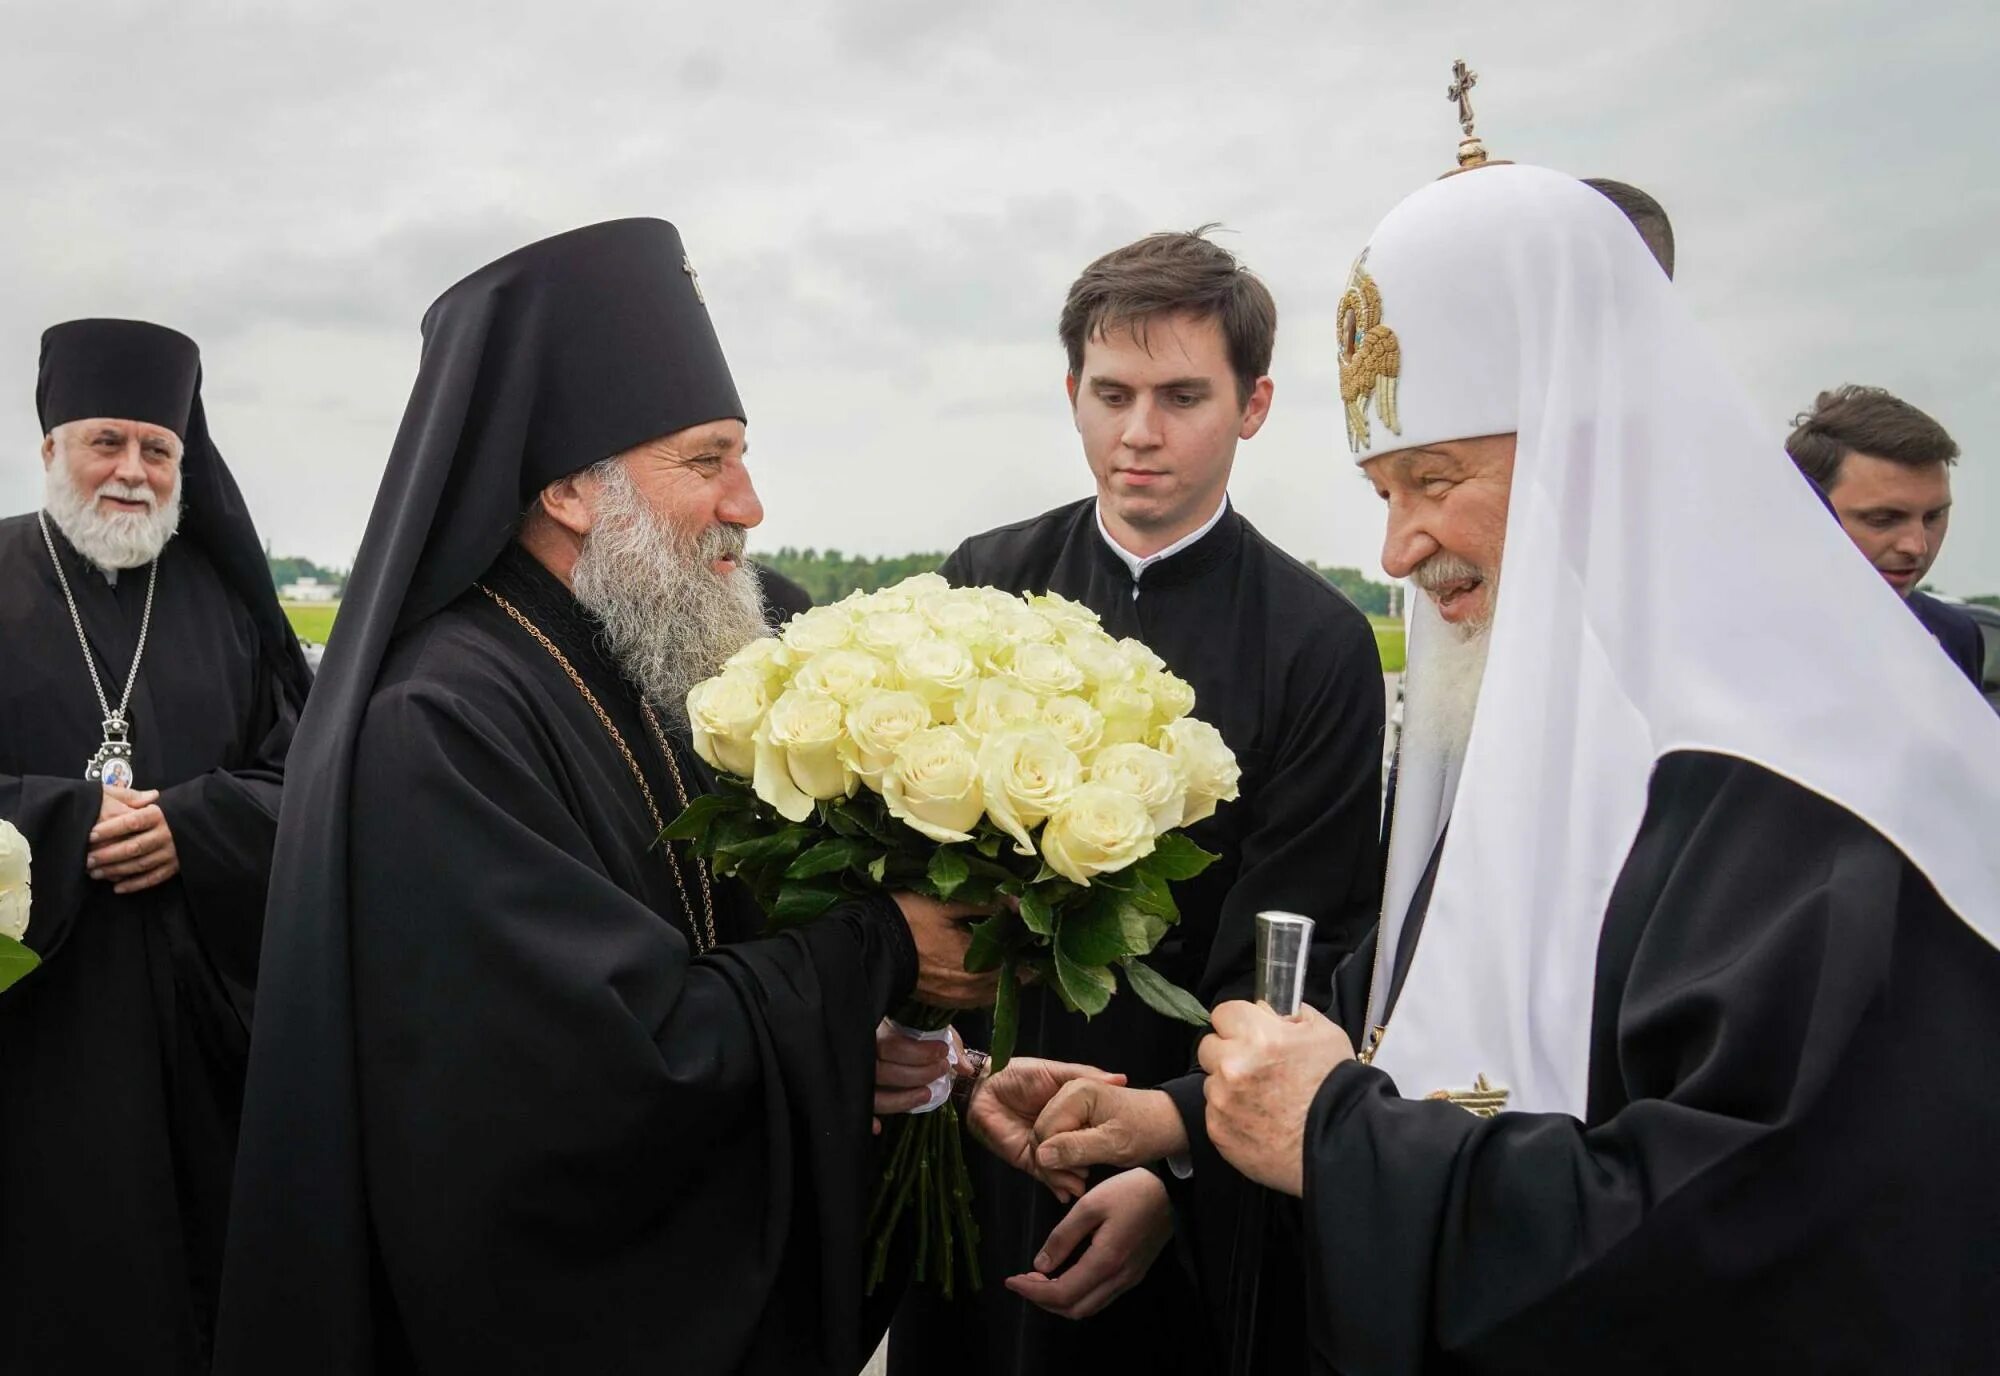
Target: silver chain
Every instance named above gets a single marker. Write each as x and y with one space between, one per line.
76 619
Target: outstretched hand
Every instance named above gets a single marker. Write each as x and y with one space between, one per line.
1004 1108
1122 1225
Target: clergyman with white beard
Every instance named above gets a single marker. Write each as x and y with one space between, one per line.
149 694
530 1091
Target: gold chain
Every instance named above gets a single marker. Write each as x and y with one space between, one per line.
638 775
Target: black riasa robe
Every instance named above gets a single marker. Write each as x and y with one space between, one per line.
1786 1162
1286 668
582 1147
121 1057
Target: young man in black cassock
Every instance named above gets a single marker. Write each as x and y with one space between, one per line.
1669 1053
1169 347
151 689
528 1093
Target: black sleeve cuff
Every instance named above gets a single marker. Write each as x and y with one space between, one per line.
891 950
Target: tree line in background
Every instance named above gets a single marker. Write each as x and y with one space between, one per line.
829 575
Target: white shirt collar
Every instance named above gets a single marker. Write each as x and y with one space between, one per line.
1138 564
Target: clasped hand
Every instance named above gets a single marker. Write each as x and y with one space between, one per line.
131 847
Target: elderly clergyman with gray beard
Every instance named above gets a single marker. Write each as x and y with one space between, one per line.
1670 1051
530 1090
149 687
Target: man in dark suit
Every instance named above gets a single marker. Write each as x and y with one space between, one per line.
1885 469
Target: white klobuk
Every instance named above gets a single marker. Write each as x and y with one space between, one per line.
1669 583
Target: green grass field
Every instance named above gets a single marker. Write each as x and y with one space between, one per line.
1389 641
311 620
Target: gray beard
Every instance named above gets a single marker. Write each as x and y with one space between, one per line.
110 540
665 616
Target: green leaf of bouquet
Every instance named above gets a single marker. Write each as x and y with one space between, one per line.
802 902
1155 897
1038 912
777 845
1163 996
1086 988
16 961
878 868
1006 1016
947 870
834 853
693 823
1175 858
1092 933
989 944
988 843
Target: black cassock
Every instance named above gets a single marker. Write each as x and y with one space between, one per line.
121 1058
1286 668
1786 1163
582 1147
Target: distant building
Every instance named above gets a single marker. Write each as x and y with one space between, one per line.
309 590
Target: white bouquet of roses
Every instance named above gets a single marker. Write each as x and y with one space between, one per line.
15 891
979 747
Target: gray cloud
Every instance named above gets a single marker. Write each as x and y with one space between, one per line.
888 199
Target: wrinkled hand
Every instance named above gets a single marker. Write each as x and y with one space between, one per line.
905 1068
943 934
1263 1071
1091 1124
1002 1114
1127 1223
131 847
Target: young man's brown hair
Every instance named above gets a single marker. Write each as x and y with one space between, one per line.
1865 420
1175 273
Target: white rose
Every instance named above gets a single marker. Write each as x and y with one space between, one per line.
1100 659
846 676
919 585
768 658
957 613
1205 761
892 599
940 671
1099 830
877 727
1027 773
932 785
723 716
886 632
819 629
1019 626
1071 618
1076 723
1147 774
1140 656
1128 712
1173 696
995 704
798 754
16 881
1044 670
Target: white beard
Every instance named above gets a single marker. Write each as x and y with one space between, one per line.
1444 688
666 617
111 540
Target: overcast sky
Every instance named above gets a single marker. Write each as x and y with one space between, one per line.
887 200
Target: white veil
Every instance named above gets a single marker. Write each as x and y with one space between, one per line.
1670 583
